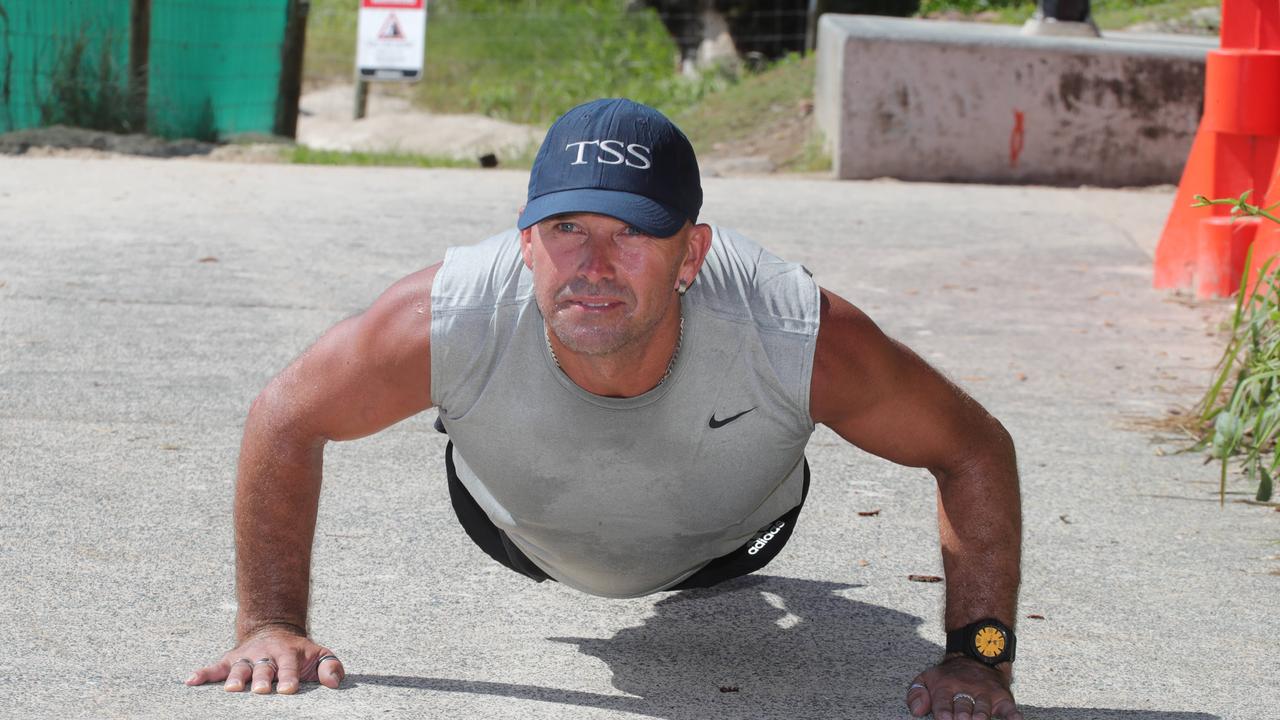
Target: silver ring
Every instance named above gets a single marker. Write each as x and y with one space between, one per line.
266 661
917 685
966 696
241 660
326 657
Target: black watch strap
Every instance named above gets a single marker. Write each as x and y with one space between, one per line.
988 641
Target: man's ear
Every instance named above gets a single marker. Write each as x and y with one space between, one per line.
698 245
526 246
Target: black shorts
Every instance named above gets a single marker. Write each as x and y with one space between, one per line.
757 552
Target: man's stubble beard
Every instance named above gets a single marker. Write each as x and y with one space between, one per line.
596 339
614 336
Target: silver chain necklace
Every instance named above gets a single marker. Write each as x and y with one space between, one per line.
671 364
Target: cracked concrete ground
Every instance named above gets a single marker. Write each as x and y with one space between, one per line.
143 304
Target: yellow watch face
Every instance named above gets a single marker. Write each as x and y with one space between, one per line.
989 642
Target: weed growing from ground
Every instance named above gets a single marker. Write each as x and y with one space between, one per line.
1245 423
90 92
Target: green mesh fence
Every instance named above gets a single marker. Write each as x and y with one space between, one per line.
213 66
63 61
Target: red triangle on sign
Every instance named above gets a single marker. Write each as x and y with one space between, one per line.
391 29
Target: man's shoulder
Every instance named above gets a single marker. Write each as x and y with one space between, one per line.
492 250
740 277
483 274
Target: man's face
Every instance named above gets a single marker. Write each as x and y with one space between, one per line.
604 286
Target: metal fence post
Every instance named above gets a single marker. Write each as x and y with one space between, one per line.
1062 17
291 51
139 61
1065 10
811 27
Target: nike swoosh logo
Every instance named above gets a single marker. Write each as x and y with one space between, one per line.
714 423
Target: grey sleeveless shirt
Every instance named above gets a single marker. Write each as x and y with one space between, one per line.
622 497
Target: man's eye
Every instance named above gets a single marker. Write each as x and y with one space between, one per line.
567 227
632 230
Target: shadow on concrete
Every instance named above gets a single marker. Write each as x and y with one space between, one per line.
757 647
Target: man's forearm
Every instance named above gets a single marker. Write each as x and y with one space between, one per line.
980 526
277 495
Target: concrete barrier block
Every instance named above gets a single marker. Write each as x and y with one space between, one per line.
970 102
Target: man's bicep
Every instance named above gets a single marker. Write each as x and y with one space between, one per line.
879 395
368 371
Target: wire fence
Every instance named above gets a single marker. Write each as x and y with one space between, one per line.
53 51
178 68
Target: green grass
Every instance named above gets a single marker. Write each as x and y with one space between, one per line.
1116 15
523 60
739 109
330 54
1108 14
972 7
303 155
813 156
754 104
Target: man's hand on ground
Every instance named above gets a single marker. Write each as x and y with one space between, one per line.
935 690
294 659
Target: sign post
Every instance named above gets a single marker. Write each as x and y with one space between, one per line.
391 38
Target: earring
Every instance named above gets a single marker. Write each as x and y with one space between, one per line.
683 287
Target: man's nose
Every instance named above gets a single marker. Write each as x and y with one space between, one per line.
596 261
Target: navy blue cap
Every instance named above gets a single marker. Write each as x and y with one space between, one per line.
619 158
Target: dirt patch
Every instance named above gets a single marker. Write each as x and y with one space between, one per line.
393 125
325 122
1201 21
776 144
62 140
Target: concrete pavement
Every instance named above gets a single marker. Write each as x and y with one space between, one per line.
144 303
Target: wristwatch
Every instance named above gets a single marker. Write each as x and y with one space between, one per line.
988 641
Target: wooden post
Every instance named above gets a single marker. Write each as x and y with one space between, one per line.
362 98
139 60
291 52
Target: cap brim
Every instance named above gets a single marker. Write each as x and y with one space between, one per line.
649 216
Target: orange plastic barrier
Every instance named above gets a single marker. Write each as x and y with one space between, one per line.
1266 245
1235 148
1221 246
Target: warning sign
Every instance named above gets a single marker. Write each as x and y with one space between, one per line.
391 29
391 37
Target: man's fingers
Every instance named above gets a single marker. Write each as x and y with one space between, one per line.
918 699
982 710
237 675
946 707
287 675
264 673
941 707
216 672
1006 709
962 706
331 671
283 665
